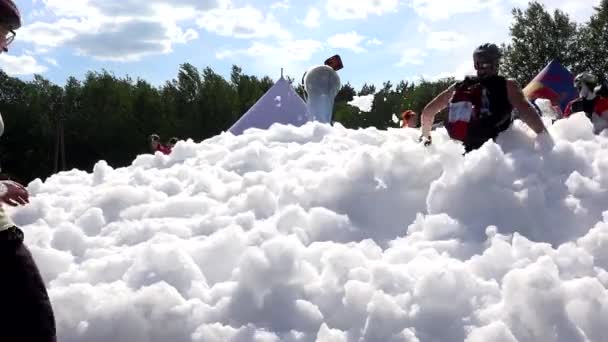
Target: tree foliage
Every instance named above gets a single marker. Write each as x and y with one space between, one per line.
537 38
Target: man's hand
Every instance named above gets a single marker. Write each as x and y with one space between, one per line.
13 193
426 140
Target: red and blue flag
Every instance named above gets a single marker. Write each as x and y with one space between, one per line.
554 83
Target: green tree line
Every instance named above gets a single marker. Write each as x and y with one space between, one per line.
108 117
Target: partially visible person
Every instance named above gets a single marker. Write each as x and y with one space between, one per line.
172 143
156 145
481 107
589 101
26 313
408 118
154 141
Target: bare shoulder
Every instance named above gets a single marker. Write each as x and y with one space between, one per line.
513 84
514 89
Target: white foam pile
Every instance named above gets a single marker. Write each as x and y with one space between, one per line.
327 234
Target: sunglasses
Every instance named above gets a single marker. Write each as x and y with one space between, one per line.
484 64
8 39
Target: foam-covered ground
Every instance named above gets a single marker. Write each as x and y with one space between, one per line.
327 234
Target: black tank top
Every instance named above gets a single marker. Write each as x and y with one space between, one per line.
499 118
584 105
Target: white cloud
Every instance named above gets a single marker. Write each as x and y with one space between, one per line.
153 37
20 65
350 40
118 40
62 8
434 10
459 72
464 69
282 52
37 13
119 30
374 41
445 40
322 233
359 9
51 61
246 22
424 28
312 18
55 34
283 4
412 56
130 8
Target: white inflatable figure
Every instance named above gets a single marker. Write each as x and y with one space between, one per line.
322 84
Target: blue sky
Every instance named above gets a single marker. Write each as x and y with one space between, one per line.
379 40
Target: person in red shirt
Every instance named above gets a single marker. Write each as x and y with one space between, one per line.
594 106
164 149
156 145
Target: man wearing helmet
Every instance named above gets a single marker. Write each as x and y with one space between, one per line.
589 101
480 107
25 309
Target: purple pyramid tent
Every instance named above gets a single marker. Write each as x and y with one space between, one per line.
280 104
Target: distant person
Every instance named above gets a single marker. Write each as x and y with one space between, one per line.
154 141
590 101
480 107
172 143
156 145
408 119
26 314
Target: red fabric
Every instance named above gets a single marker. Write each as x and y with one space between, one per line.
464 107
458 130
568 109
601 106
164 149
